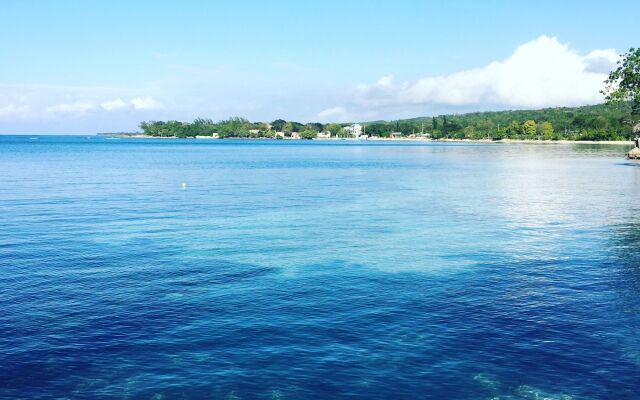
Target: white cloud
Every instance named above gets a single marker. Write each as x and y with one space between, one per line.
601 61
14 111
113 105
78 107
386 80
145 103
137 103
540 73
82 106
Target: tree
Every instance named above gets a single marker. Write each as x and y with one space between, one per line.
146 127
278 125
450 126
529 128
308 134
233 127
469 132
315 126
623 83
261 126
203 127
513 129
379 129
335 129
297 126
545 130
434 123
485 127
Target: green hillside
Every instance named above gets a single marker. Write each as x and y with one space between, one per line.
595 122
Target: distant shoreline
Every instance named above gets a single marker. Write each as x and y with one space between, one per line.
380 139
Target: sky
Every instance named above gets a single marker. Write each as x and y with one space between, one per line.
104 66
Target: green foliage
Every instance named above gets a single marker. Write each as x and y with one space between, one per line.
598 122
601 122
233 127
334 129
529 128
292 126
278 125
315 126
297 126
469 131
169 128
545 130
623 83
308 134
513 129
378 129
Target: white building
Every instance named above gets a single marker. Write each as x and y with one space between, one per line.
354 130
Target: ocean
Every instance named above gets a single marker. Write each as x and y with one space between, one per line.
232 269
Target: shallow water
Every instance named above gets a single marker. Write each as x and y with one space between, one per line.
301 270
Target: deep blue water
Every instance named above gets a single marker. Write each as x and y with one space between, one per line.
315 270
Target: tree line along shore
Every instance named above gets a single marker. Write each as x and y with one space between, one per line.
602 122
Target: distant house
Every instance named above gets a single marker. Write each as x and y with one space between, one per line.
354 130
324 135
254 131
280 134
396 134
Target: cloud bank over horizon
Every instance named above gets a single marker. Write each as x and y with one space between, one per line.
543 72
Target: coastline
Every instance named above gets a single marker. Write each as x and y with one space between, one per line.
380 139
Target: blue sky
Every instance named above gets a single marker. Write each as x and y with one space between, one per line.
83 67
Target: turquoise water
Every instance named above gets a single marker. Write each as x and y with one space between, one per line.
314 270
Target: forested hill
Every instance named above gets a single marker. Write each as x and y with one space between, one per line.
595 122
